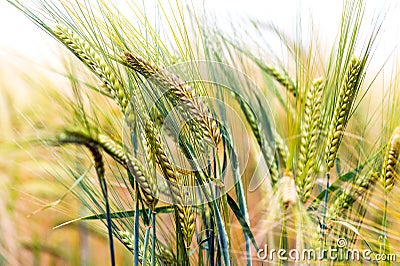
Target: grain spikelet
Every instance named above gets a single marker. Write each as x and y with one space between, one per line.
86 53
284 80
186 95
309 138
164 254
147 184
344 102
267 151
389 171
185 211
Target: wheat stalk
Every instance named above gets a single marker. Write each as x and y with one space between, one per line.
186 95
344 102
389 172
309 137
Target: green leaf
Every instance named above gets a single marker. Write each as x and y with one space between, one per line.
242 220
339 182
117 215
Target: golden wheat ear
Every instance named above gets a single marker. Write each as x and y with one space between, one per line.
87 54
181 91
147 184
164 255
389 166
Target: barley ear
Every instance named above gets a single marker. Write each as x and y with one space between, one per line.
266 149
181 91
186 215
284 80
310 127
344 103
282 149
87 54
147 184
164 254
389 166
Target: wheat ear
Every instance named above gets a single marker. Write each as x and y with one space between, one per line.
185 211
92 146
186 95
147 184
266 149
344 102
284 80
308 143
164 254
86 53
389 171
281 148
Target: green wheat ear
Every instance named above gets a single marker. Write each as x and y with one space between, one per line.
310 128
341 114
186 215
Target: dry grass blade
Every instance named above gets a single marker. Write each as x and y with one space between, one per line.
389 172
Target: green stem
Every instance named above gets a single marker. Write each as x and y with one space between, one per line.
146 242
153 242
136 231
283 243
325 209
